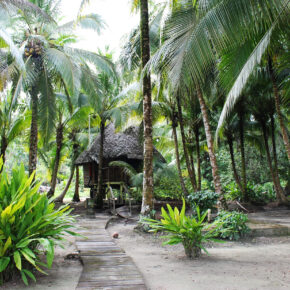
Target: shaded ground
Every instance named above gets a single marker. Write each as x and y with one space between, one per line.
64 274
260 263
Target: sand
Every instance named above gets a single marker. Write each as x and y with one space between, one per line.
63 275
261 263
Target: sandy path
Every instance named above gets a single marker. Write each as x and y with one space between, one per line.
263 263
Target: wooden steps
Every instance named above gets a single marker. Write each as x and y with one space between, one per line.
105 265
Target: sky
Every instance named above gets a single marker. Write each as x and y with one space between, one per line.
117 15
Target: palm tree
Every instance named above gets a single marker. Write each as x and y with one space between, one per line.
16 7
147 200
49 58
262 106
65 121
182 64
189 165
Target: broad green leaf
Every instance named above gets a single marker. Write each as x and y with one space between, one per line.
24 278
17 260
6 246
29 274
4 263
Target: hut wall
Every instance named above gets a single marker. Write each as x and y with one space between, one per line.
90 172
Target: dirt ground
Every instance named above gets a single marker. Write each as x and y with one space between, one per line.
260 263
64 274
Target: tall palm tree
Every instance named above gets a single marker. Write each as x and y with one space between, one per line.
49 57
65 121
182 63
262 107
147 200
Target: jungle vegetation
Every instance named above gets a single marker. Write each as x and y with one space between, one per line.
207 80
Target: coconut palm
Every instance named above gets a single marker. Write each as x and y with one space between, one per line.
50 59
8 11
65 121
263 109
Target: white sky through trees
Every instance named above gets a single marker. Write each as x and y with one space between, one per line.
117 15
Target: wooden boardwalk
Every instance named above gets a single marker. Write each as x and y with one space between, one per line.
105 265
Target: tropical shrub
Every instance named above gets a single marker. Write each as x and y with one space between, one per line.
192 233
167 188
261 193
256 193
232 225
204 200
29 226
232 191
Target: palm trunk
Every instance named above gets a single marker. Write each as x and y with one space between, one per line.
63 194
99 197
76 197
59 143
197 148
235 172
183 138
184 190
278 108
280 196
242 147
216 178
4 145
33 132
147 200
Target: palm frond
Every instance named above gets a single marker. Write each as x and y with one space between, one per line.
63 65
47 107
126 167
244 75
13 48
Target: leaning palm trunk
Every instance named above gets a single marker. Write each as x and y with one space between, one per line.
216 178
33 132
99 197
147 200
278 108
184 190
59 143
235 172
242 147
76 197
185 151
279 191
197 148
63 194
276 173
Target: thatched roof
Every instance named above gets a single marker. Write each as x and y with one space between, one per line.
116 146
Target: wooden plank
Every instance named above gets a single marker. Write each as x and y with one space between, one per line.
95 243
107 260
90 277
131 287
110 283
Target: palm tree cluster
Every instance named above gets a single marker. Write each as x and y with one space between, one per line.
200 77
215 61
49 87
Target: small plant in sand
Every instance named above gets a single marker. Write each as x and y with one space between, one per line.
29 226
233 225
191 232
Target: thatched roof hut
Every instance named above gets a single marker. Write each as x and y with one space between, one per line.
118 146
